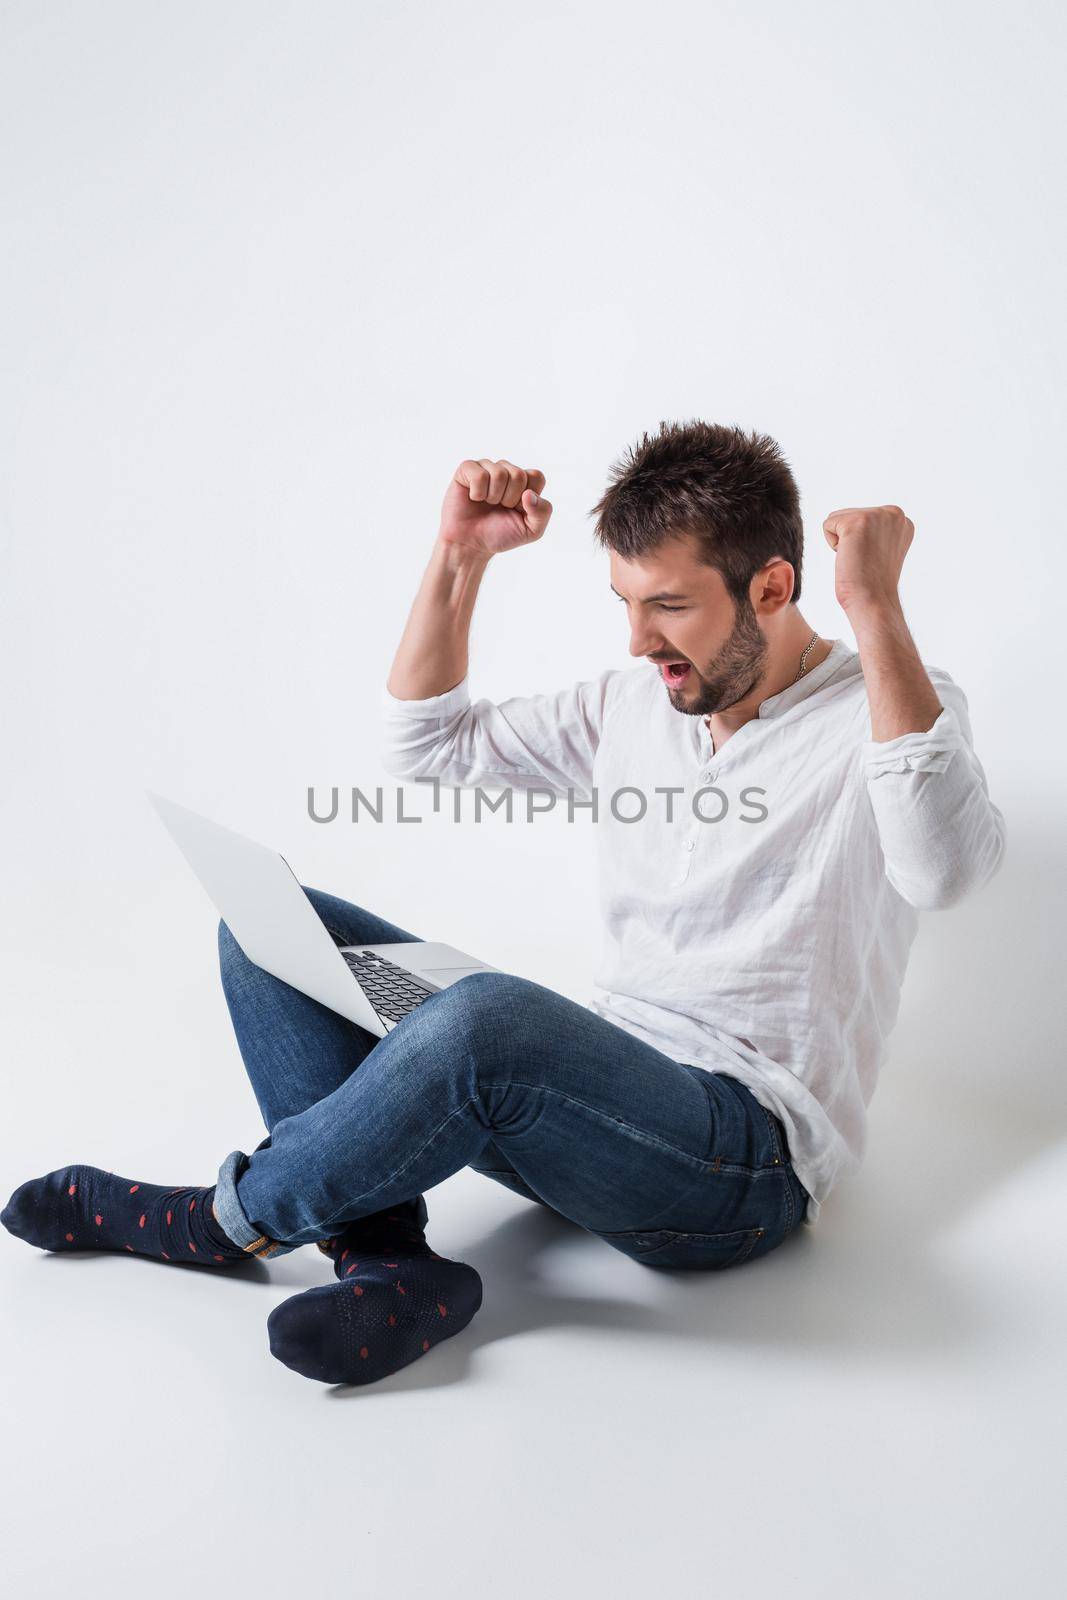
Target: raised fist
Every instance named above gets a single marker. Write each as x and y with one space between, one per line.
871 543
491 506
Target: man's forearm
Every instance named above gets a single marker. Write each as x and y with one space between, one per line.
901 696
432 656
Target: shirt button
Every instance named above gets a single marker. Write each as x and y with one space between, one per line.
688 845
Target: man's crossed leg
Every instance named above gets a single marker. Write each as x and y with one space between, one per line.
667 1162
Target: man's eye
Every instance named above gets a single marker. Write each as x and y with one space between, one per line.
662 607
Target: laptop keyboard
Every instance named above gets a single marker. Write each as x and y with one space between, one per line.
393 991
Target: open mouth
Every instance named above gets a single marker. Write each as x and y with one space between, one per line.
674 672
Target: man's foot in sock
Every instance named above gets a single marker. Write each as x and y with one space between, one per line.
84 1208
395 1300
397 1231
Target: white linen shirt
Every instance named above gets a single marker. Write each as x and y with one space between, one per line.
771 947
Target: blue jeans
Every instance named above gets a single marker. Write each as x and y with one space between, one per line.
672 1164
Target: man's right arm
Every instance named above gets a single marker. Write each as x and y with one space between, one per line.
431 728
432 656
489 507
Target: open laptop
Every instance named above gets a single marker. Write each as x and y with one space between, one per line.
261 902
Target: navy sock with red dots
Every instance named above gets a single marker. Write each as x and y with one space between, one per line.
83 1208
395 1299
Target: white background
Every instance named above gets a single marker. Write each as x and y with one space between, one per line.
271 271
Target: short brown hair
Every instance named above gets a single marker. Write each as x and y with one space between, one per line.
734 491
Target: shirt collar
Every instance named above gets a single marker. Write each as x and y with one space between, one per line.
776 704
793 693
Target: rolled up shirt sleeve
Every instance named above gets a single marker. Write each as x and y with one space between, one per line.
544 741
941 835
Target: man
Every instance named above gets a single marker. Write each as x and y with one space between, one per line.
810 801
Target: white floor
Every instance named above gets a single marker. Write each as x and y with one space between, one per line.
874 1409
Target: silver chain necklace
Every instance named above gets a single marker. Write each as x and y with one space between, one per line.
812 642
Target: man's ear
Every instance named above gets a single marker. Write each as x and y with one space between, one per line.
772 586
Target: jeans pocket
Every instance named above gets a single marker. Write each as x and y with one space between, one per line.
695 1252
782 1157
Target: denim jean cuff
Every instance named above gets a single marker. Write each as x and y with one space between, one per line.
230 1214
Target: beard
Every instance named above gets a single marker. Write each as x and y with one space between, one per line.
733 674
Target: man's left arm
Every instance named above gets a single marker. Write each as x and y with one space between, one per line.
941 835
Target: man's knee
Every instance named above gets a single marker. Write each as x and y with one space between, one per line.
476 1006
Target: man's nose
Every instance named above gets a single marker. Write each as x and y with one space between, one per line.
644 640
